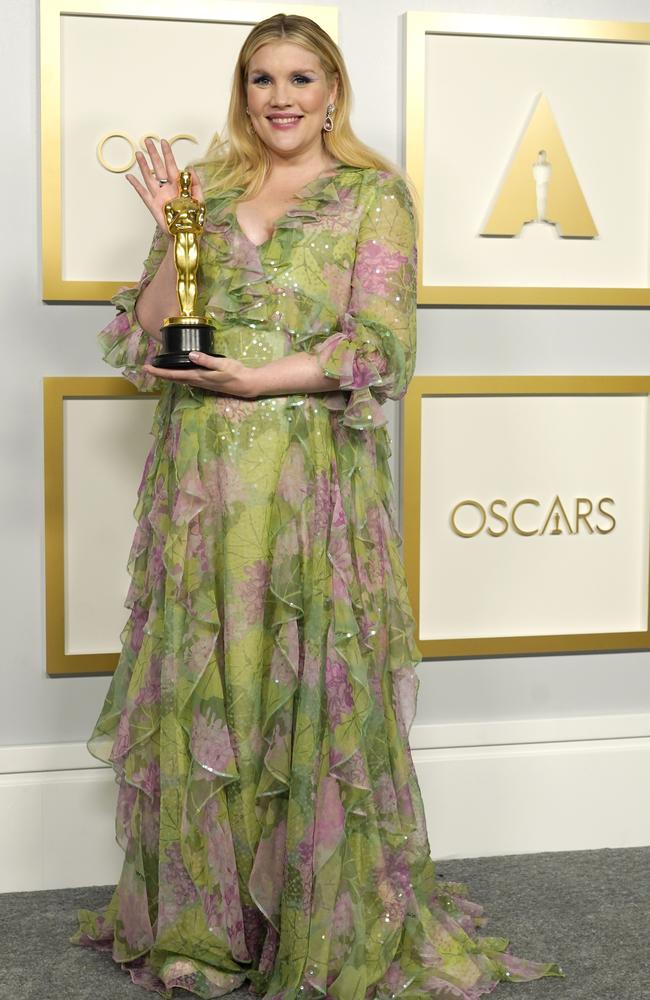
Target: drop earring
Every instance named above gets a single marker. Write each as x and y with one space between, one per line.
328 125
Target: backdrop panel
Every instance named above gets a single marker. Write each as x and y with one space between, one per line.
102 93
96 440
483 92
527 513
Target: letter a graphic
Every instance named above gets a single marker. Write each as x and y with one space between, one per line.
541 174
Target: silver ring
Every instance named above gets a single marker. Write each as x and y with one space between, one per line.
163 181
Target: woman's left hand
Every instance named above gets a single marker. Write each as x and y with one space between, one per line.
221 375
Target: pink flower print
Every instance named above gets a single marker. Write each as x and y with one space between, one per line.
343 918
127 797
211 908
223 482
330 821
338 281
338 514
374 265
150 823
148 778
137 619
378 526
181 975
199 647
220 846
374 682
322 504
234 919
122 738
196 547
149 693
400 872
305 854
388 899
339 553
155 566
253 929
368 368
141 539
267 876
406 683
405 802
190 497
176 881
337 217
134 916
233 410
210 742
292 484
338 690
340 589
354 771
245 254
251 592
385 795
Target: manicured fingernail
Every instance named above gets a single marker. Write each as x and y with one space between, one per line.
194 354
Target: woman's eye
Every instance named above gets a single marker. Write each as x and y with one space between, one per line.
298 79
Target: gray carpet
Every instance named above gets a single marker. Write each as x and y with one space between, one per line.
588 910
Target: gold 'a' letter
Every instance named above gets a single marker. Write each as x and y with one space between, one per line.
541 185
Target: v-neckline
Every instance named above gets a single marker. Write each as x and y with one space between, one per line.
299 196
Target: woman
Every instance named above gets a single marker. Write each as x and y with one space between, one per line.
258 720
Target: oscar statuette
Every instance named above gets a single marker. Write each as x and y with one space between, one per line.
187 332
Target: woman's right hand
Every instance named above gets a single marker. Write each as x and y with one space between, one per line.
156 195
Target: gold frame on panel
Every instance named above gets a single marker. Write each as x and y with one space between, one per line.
517 385
418 26
55 288
55 392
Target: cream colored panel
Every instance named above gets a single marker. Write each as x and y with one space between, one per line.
480 93
105 445
79 846
117 75
512 448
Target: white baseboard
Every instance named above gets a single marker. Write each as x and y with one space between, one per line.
58 830
523 799
511 787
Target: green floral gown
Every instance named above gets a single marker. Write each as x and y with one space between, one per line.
258 720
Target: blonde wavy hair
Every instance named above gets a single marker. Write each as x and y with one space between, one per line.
239 158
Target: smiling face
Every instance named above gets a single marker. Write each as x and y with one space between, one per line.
287 94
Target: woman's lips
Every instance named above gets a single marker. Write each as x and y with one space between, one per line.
284 122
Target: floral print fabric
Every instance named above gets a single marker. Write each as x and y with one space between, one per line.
258 720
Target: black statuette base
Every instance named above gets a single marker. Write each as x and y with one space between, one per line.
179 339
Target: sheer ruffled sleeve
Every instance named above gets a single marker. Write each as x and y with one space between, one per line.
124 343
373 351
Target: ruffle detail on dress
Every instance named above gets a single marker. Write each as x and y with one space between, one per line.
407 935
166 712
306 881
353 356
255 280
124 343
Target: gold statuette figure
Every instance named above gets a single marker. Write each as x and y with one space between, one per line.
187 332
185 217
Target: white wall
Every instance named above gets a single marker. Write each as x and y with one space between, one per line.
47 340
